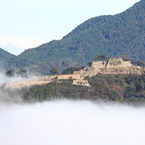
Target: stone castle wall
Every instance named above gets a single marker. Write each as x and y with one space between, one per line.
42 80
22 84
113 66
99 64
55 77
118 63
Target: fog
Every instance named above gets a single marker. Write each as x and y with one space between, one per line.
66 122
5 98
4 78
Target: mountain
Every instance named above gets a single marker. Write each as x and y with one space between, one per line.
5 58
112 35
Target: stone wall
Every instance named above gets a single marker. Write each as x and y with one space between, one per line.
113 66
69 76
22 84
118 63
99 64
45 78
89 71
42 80
60 77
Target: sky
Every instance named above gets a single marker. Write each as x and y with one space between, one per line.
29 23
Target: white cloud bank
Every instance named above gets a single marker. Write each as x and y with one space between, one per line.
71 123
18 45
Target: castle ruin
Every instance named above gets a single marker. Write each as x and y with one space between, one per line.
112 66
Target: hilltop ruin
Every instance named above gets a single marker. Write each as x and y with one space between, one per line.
112 66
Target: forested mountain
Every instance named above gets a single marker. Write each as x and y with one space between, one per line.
121 34
5 57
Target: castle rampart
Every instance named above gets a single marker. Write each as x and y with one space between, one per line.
112 66
118 63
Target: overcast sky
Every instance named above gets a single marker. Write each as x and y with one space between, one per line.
30 23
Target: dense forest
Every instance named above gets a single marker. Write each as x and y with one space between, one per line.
115 88
5 57
112 35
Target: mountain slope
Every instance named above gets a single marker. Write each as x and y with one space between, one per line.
5 57
121 34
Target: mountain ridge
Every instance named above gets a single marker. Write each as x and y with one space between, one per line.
112 35
4 58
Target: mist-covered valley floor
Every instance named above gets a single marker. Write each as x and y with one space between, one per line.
66 122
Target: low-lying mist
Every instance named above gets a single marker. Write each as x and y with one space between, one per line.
4 78
5 97
68 122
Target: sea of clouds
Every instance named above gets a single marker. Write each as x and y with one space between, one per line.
66 122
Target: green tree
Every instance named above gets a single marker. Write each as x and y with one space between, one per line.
125 57
89 64
22 73
54 71
133 62
140 63
10 73
101 57
72 69
34 71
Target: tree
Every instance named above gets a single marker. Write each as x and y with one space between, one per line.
89 64
140 63
34 71
72 69
22 73
101 57
125 58
133 62
10 73
54 71
138 87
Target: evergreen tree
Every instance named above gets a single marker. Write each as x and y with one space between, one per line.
54 71
10 73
